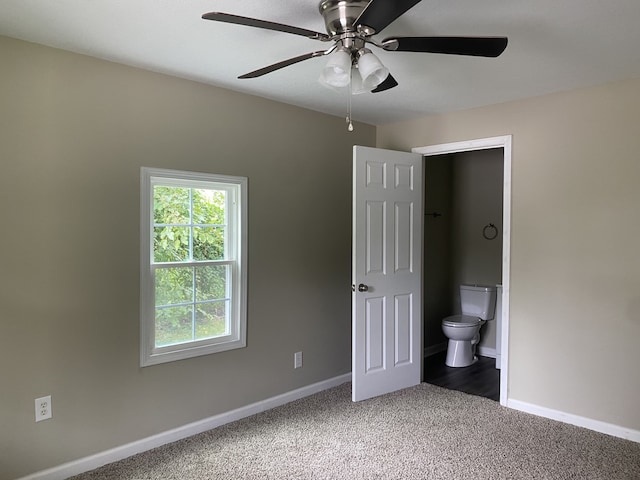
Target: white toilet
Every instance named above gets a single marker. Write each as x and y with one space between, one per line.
463 331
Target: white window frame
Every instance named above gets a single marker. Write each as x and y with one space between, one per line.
235 256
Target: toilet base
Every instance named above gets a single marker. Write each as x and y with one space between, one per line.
460 353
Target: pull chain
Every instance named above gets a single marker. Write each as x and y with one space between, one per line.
350 93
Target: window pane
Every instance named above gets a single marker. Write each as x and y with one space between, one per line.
208 243
209 206
211 320
171 205
170 244
174 285
211 282
174 325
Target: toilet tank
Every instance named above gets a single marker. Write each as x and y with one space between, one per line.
478 301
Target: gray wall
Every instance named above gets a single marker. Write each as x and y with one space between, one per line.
74 132
575 288
466 188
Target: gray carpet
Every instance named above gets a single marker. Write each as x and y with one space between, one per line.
424 432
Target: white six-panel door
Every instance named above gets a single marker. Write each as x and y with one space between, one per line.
386 271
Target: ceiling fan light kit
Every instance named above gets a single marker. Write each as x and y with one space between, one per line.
350 25
342 68
357 87
371 70
337 72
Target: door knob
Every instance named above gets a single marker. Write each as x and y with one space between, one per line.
363 288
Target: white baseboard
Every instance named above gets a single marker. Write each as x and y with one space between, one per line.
115 454
486 352
433 349
596 425
85 464
441 347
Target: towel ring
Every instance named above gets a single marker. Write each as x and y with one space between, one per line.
490 232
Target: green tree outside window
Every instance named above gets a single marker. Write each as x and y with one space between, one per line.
192 301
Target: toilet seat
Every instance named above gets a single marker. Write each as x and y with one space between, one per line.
460 321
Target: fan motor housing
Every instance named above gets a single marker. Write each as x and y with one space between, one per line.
339 15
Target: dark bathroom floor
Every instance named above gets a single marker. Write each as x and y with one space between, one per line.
482 378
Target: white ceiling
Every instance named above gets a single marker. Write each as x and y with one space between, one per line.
553 45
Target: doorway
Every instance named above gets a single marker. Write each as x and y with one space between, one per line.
500 325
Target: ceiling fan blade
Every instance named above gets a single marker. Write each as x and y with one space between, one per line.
474 46
284 63
253 22
388 83
380 13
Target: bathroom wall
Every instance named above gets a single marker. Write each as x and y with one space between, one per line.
466 189
477 184
438 291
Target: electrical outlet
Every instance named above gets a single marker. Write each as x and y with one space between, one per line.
43 408
297 360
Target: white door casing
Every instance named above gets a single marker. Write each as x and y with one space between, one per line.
505 143
386 271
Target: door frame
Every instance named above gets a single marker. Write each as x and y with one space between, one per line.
503 142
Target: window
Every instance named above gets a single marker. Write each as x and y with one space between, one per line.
193 271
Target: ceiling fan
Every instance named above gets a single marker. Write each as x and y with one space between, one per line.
350 25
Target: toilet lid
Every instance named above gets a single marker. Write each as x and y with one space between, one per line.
461 321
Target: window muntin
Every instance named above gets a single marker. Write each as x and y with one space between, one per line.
193 281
